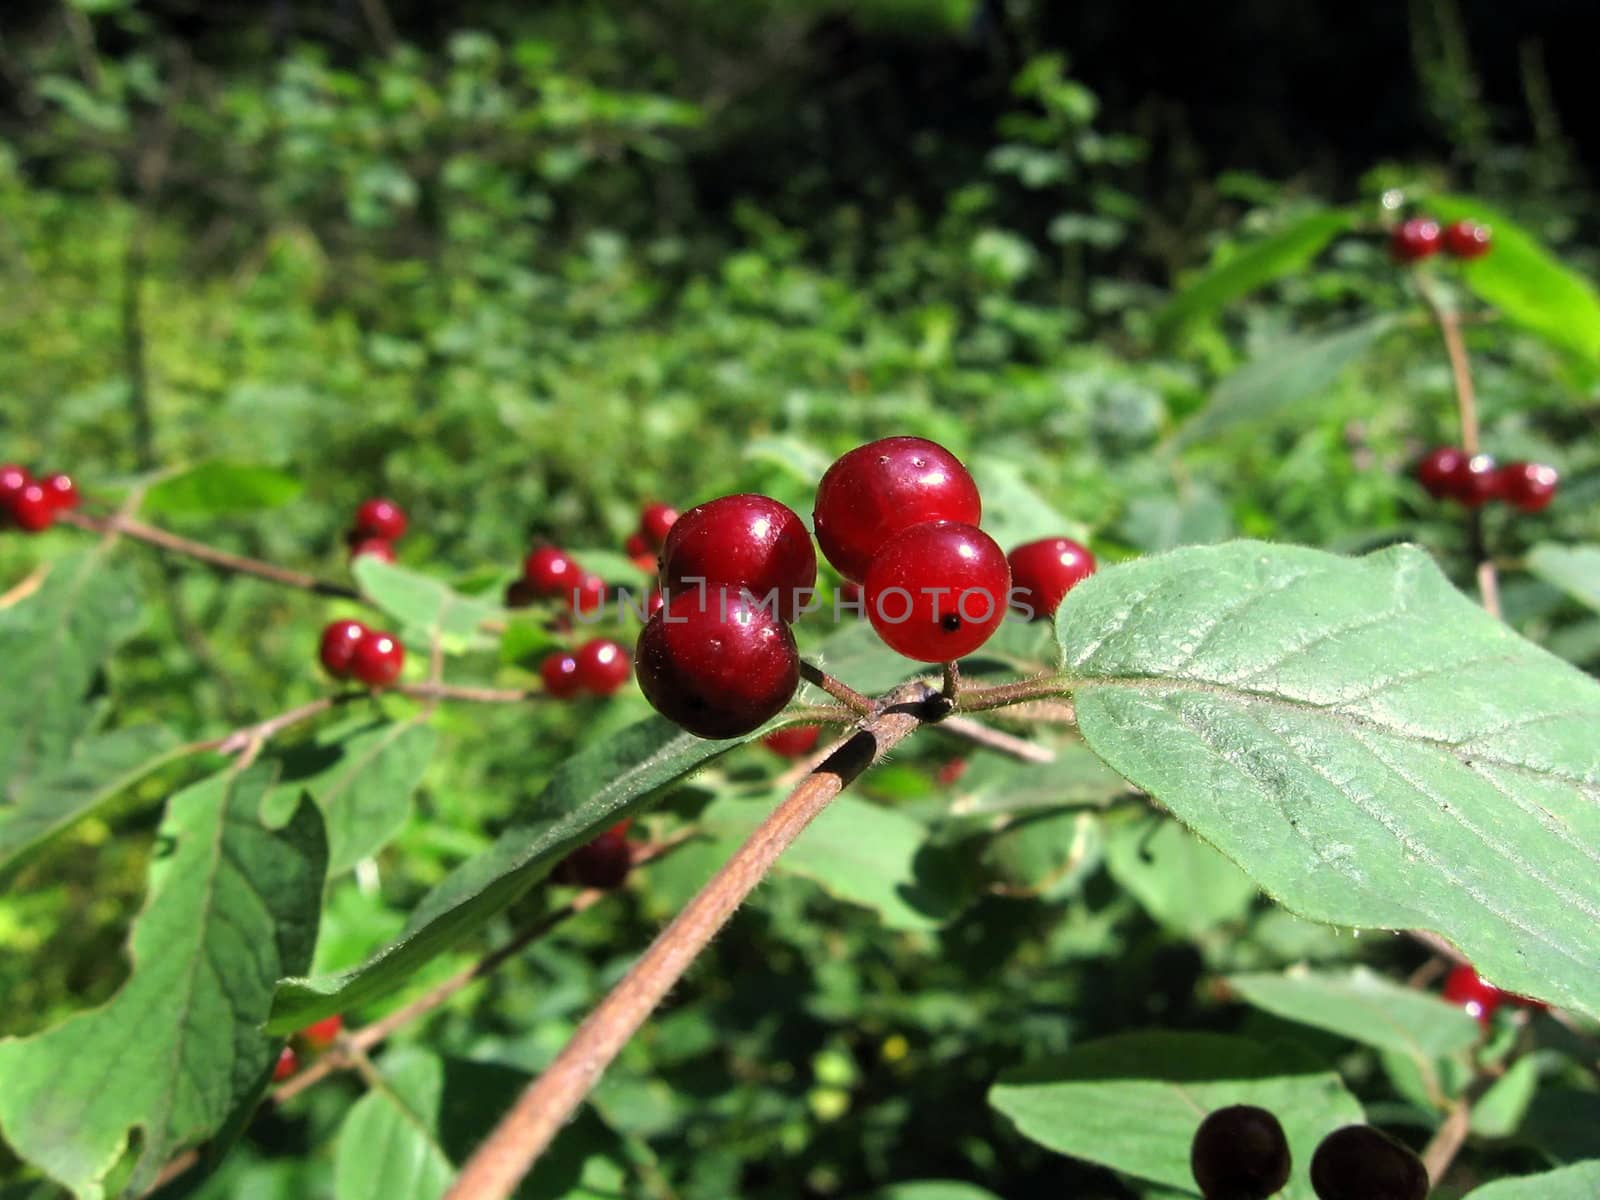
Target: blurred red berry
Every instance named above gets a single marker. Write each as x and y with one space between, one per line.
380 518
1475 481
374 547
12 480
378 659
32 509
1528 486
61 491
551 572
1471 991
654 523
338 649
1467 239
1437 472
319 1035
288 1063
796 741
1415 240
560 675
602 666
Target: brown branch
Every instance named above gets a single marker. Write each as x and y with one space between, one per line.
1004 695
131 527
1447 1140
478 695
499 1164
846 695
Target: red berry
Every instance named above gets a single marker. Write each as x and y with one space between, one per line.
1043 572
797 741
1415 240
560 675
551 572
61 491
378 659
1467 239
1471 991
602 666
339 642
380 518
950 774
717 673
1437 472
588 595
938 591
376 547
319 1035
1475 481
602 863
648 563
741 543
32 509
1528 486
12 480
288 1063
636 547
877 490
654 522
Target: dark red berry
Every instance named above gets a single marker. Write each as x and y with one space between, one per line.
560 675
378 659
12 480
1043 572
1528 486
61 491
1239 1153
338 650
1415 240
375 547
744 542
1467 239
319 1035
603 863
380 518
1359 1163
288 1063
32 509
938 591
1471 991
602 666
797 741
551 572
877 490
654 523
1476 481
718 674
636 547
588 595
519 594
1437 472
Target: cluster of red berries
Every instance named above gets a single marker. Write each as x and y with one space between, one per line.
350 650
1481 999
1240 1153
646 542
1449 473
552 574
598 667
313 1039
1422 237
602 863
379 524
32 504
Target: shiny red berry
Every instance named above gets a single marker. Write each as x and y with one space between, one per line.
796 741
288 1063
1043 572
938 591
1240 1153
602 666
740 543
1467 239
1465 987
1475 481
1359 1163
12 480
551 572
654 524
1437 472
653 603
319 1035
878 490
61 490
373 547
338 649
1528 486
587 595
1415 240
378 659
32 509
717 672
560 675
380 518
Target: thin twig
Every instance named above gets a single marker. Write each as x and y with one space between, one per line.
1447 1140
261 731
992 739
952 681
498 1165
478 695
1003 695
857 703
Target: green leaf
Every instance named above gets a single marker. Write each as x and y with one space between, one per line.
232 907
1367 743
932 1189
992 784
362 775
217 488
1561 1122
1183 884
424 607
1580 1181
1243 269
1527 283
590 791
1045 854
1277 384
1499 1111
100 766
1573 569
1367 1009
1133 1102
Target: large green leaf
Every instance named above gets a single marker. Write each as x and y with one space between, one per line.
1242 269
1580 1181
1573 569
1527 283
1183 884
424 608
218 488
1284 378
591 790
233 906
1363 740
1133 1102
